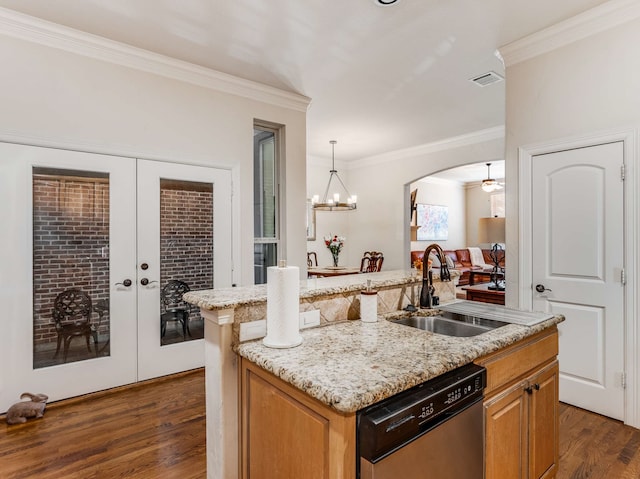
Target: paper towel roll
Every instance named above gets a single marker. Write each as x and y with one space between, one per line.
369 306
283 307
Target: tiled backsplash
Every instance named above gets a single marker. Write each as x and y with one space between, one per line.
341 306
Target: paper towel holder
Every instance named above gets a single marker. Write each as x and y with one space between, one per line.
369 306
283 307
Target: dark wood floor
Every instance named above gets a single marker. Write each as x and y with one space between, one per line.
153 430
596 447
157 430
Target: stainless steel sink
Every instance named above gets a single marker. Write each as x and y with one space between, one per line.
452 324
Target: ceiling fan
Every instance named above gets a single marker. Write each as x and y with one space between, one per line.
490 185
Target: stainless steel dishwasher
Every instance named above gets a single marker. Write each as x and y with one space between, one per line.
433 430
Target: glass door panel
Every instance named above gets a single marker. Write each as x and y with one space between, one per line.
186 256
70 266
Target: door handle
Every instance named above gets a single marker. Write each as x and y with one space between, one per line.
126 283
145 281
541 289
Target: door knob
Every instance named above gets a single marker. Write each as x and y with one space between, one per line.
126 283
541 289
145 281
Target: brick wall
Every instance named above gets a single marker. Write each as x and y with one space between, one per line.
70 230
186 235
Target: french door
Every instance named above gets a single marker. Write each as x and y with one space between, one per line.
88 246
179 210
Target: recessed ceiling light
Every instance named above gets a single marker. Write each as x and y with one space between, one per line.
385 3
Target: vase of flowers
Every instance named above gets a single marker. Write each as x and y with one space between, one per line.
335 244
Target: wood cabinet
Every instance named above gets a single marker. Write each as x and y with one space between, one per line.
521 410
285 433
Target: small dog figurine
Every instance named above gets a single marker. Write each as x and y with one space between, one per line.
19 412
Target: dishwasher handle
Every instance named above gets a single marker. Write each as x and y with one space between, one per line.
393 426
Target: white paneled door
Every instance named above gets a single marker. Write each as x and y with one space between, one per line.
89 242
578 259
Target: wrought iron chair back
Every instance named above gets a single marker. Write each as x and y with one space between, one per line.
371 262
175 308
72 316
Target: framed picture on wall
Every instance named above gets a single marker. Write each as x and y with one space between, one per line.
433 222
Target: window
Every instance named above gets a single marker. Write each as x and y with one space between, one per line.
266 204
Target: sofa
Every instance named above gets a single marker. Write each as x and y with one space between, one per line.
460 260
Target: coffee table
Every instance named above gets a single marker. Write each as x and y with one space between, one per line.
481 292
481 276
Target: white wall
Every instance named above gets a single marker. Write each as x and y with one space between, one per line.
382 187
444 193
50 96
478 204
584 87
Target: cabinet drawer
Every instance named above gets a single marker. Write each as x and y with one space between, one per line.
506 366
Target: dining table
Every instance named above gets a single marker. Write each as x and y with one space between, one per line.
326 271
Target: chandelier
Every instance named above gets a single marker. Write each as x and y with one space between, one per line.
333 203
489 185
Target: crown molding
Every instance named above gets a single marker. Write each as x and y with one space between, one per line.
480 136
26 27
583 25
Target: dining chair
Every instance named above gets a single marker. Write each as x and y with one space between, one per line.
174 307
101 307
371 262
312 259
72 316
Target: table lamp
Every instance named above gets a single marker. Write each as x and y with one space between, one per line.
491 230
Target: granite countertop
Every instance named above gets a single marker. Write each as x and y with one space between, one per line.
223 298
351 365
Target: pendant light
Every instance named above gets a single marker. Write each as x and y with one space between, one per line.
490 185
333 203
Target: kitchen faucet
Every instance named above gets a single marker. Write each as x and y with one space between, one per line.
426 295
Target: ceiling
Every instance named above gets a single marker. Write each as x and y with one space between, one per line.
381 79
472 173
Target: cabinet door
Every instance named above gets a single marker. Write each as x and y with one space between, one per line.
506 434
286 434
543 423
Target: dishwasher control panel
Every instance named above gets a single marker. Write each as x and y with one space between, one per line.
391 423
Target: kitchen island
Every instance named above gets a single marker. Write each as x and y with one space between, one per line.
297 406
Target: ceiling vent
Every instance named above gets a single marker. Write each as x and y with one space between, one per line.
487 79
